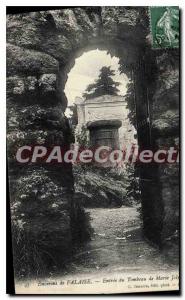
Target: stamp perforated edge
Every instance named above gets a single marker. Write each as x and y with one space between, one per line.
150 21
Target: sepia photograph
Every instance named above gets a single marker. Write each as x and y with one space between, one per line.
93 148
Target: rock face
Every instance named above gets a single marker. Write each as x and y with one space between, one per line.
41 49
165 128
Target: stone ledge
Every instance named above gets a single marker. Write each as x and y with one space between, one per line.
104 123
168 123
29 62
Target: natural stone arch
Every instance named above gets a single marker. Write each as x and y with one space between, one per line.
41 49
127 54
131 56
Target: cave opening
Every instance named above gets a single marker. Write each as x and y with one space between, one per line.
131 66
99 115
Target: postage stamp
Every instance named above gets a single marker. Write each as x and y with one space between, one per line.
164 26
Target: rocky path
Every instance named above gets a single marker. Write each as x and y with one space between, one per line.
117 251
117 245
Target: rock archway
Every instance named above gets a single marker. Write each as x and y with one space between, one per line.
41 49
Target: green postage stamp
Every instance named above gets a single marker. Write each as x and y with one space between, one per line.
164 25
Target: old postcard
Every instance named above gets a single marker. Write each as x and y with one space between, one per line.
93 149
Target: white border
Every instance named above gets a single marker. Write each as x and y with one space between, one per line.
3 107
96 3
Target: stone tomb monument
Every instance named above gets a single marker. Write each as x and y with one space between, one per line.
106 118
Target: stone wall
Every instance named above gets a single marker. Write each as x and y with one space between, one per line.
165 115
41 49
41 196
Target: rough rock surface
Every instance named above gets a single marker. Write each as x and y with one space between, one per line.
42 47
29 62
165 128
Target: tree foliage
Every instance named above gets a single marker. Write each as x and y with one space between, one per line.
130 100
104 85
82 137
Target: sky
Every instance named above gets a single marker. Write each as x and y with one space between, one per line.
86 71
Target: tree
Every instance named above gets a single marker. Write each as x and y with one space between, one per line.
104 85
130 99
